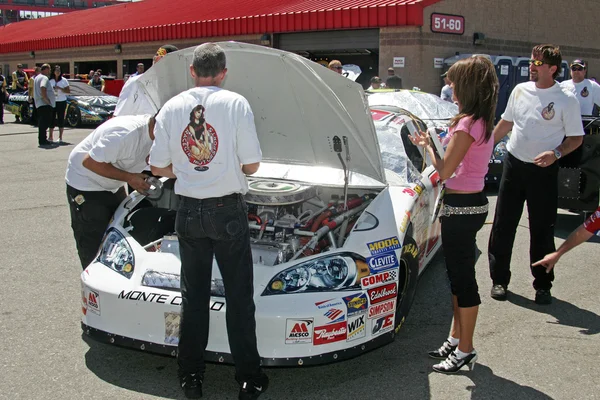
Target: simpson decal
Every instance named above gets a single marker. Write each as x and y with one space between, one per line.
384 245
356 303
199 140
382 308
298 331
382 262
371 281
357 327
330 333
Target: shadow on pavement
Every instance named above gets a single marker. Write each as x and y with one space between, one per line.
489 386
565 313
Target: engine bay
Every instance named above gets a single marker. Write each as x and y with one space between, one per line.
287 220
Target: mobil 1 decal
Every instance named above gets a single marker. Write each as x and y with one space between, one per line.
383 262
384 245
299 331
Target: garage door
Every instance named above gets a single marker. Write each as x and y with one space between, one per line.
333 40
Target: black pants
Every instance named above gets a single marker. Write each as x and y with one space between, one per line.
58 116
538 186
216 226
90 218
44 116
459 234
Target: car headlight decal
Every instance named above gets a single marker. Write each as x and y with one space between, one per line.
116 253
335 272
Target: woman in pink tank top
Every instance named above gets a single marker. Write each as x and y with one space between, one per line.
470 144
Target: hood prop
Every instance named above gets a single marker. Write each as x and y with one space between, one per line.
337 147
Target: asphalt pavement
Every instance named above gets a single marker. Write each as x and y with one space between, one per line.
526 351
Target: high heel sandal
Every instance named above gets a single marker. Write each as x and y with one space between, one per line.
453 364
443 352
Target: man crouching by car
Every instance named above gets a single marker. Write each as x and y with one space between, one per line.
206 137
115 153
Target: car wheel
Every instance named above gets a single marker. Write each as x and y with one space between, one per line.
73 116
24 111
407 280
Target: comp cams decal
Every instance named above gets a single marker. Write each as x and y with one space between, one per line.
384 277
384 245
382 262
299 331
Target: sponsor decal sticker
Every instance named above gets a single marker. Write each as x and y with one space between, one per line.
382 325
330 333
384 245
410 249
328 303
383 293
410 192
335 315
383 262
357 327
382 308
384 277
405 222
299 331
93 302
172 320
356 303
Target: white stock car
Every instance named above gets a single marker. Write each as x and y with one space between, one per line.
341 226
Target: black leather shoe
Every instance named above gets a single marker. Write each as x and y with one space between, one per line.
453 364
250 390
191 385
543 296
443 352
499 292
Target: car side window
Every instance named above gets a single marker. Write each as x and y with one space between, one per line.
415 155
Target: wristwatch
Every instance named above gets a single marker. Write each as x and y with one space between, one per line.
557 154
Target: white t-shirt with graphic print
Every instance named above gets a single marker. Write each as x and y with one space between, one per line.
542 118
586 91
206 133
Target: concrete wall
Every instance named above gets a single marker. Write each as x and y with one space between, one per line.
511 27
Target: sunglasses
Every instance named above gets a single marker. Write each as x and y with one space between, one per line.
537 63
577 68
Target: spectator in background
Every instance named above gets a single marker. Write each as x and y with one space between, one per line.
19 79
45 102
91 74
393 82
61 88
391 72
376 83
3 96
97 82
586 90
31 99
446 93
139 69
335 66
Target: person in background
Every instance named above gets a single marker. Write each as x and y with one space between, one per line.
335 66
465 205
586 90
133 101
91 74
97 82
45 101
391 72
546 125
211 219
376 83
3 96
393 82
30 97
446 93
114 154
19 79
61 88
139 69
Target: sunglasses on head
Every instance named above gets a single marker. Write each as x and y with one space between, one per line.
537 63
577 68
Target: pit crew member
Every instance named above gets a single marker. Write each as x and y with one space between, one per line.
586 90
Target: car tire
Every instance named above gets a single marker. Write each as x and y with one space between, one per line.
73 116
407 280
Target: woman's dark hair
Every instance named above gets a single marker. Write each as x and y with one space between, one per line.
476 89
198 127
54 76
550 55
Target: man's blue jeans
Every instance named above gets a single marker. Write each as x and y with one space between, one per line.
219 227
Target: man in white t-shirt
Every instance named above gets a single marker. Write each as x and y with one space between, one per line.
45 101
112 155
446 93
132 100
586 90
206 138
541 115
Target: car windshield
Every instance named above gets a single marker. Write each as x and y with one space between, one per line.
83 89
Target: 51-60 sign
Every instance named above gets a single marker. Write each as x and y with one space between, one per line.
446 23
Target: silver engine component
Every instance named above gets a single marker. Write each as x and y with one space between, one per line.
273 193
271 253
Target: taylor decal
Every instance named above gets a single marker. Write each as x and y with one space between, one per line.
199 140
548 112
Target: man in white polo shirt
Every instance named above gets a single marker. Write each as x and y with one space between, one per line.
586 91
541 114
115 153
206 138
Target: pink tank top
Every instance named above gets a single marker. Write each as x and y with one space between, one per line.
470 173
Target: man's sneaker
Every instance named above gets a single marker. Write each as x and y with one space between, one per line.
250 390
499 292
191 385
543 296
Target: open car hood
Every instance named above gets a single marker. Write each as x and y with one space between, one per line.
299 108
